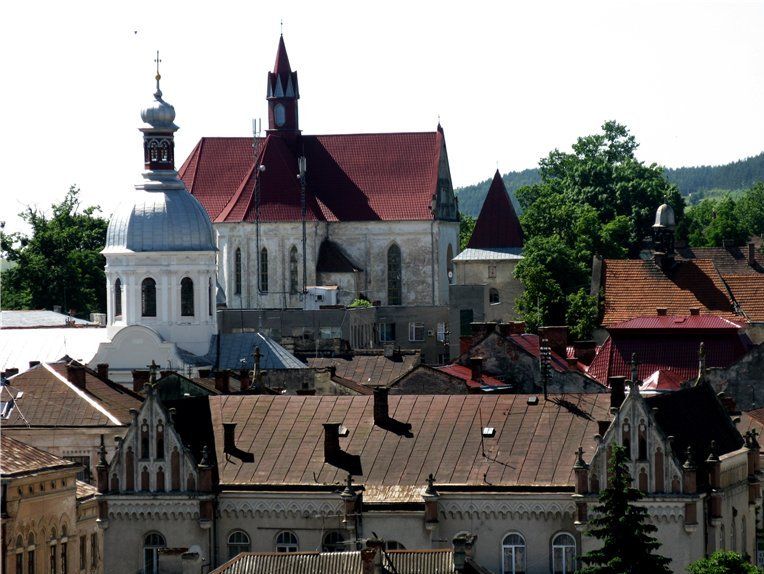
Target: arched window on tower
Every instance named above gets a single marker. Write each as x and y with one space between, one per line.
293 278
394 275
263 270
118 298
237 272
187 297
149 297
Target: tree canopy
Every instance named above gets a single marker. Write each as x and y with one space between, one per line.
59 261
597 199
723 562
712 222
627 544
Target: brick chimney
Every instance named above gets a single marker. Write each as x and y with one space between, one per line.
229 437
751 254
222 382
332 440
75 374
33 364
371 557
557 337
103 370
476 366
585 351
140 378
381 412
617 391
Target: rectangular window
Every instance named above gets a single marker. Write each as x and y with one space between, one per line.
84 473
386 332
416 332
83 552
64 558
30 562
19 563
492 271
441 336
93 550
52 559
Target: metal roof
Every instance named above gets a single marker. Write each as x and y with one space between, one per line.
20 346
20 458
38 318
492 254
236 352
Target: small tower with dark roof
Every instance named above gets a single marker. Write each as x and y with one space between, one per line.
283 94
497 226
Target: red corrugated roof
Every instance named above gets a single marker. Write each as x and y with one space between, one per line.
673 322
465 374
676 353
662 380
355 177
635 288
497 225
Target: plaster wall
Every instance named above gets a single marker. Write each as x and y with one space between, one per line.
509 288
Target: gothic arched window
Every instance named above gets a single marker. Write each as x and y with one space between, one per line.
263 270
237 272
293 270
493 296
149 297
118 298
187 297
394 275
563 554
238 542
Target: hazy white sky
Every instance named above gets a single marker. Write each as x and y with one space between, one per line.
510 80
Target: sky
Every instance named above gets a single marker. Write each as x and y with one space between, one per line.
510 81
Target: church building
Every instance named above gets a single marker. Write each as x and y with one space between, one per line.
370 215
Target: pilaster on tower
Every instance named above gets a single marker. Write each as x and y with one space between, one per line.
283 93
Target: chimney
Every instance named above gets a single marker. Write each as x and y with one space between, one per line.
585 351
244 379
33 364
617 391
332 439
11 371
751 254
204 373
557 337
476 364
381 412
140 378
460 552
694 311
75 374
229 437
222 381
661 311
103 370
371 557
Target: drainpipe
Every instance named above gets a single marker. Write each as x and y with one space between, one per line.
432 258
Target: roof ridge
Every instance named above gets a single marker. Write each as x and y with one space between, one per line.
90 400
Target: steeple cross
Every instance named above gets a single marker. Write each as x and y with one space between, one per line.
281 26
158 61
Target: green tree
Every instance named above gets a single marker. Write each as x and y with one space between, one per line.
723 562
712 222
627 544
59 262
583 314
596 200
466 227
750 210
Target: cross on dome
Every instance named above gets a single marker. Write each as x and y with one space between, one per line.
158 77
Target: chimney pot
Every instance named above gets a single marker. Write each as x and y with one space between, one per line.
476 365
140 378
222 382
751 254
33 364
332 440
585 351
229 437
75 374
381 412
103 370
617 391
11 371
661 311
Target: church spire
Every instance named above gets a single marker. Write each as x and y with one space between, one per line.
497 225
158 131
283 94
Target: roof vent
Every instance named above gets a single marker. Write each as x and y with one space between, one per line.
489 432
694 311
661 311
534 400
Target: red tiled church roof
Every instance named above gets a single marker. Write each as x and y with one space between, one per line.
497 225
636 288
748 291
354 177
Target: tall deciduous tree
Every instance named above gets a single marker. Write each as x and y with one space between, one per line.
596 200
723 562
59 261
620 524
750 210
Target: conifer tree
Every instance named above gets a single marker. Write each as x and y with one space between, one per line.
628 547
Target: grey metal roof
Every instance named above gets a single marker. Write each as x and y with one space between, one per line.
494 254
42 318
237 346
401 561
167 220
19 346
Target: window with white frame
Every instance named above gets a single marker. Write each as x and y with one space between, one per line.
416 332
563 553
513 554
286 541
386 332
441 333
492 271
238 542
152 542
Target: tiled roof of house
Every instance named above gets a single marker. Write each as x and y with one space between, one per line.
85 491
728 260
437 561
353 177
636 288
18 458
368 369
50 400
673 323
674 352
748 291
465 374
534 446
498 224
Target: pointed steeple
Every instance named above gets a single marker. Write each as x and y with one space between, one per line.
283 93
497 226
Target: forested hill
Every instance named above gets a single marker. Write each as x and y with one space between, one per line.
695 182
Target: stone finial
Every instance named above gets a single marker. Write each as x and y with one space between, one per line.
205 456
701 363
634 382
580 462
430 490
713 455
102 454
689 462
349 490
